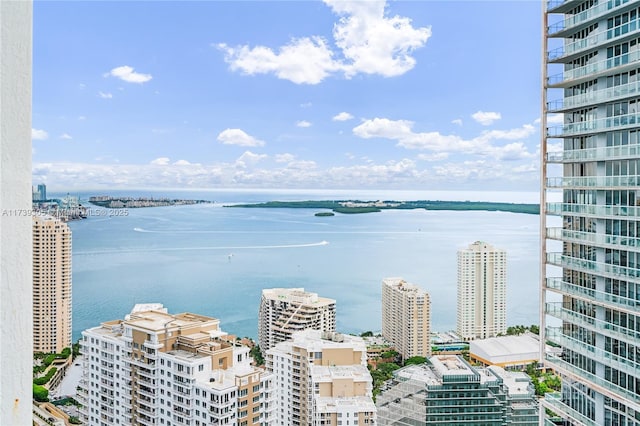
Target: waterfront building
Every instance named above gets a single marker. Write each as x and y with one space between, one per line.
590 245
283 311
321 378
482 291
448 391
406 317
51 285
156 368
512 352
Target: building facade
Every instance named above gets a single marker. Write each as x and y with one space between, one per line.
590 246
449 391
284 311
51 285
406 317
482 291
155 368
321 378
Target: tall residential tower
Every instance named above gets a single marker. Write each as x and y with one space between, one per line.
590 289
482 291
406 317
51 285
283 311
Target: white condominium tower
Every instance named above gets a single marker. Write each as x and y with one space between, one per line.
482 291
51 285
406 317
158 369
590 249
321 378
283 311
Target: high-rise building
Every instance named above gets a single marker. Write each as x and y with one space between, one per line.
482 291
42 191
283 311
321 378
156 368
406 317
51 285
590 245
449 391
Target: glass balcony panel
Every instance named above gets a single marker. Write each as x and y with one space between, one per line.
595 96
557 233
593 267
582 17
564 367
595 154
608 300
590 69
593 210
594 126
594 181
593 40
553 401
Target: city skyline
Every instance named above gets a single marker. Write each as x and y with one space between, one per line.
247 96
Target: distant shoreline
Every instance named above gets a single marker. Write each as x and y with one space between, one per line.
358 206
140 202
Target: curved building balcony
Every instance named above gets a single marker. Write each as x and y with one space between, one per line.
593 210
594 239
592 70
619 152
600 125
605 328
573 23
594 182
553 401
600 298
570 51
593 267
560 6
593 381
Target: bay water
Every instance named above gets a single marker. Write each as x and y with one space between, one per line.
215 260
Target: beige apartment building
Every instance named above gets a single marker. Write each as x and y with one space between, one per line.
406 317
156 368
321 378
283 311
51 285
482 291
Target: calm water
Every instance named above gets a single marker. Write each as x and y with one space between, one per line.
215 261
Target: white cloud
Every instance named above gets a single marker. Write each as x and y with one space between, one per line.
438 156
303 123
343 116
367 41
66 136
249 158
82 86
284 158
401 131
457 122
104 95
127 73
238 137
486 118
82 118
555 118
306 105
39 135
161 161
182 163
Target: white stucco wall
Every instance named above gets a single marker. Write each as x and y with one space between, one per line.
15 224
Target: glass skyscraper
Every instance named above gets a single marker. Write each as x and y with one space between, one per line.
590 294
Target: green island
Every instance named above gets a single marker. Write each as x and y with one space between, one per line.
358 206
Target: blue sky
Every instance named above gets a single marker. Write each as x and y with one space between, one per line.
430 95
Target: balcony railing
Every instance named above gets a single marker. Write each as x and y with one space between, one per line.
593 324
557 233
593 40
566 368
608 300
605 182
622 364
591 69
593 267
594 97
595 154
583 17
594 126
554 402
593 210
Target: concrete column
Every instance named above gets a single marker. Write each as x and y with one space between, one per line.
16 317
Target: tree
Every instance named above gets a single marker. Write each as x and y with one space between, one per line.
367 334
256 353
40 393
415 360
